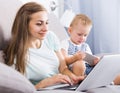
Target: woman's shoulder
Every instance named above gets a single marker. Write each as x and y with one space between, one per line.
50 33
51 36
52 40
65 42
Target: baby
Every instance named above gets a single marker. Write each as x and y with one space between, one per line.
74 47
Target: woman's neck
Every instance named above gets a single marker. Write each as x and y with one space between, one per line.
35 43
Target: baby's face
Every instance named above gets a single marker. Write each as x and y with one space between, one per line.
78 33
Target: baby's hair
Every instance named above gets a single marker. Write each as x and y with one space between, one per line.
85 20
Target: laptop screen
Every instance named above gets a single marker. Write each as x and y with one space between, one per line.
103 73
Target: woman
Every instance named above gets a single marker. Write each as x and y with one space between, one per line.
34 51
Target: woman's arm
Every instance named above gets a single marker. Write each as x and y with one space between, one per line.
64 69
59 78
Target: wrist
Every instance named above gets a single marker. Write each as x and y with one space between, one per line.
44 83
75 57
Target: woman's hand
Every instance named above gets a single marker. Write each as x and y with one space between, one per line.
59 78
76 79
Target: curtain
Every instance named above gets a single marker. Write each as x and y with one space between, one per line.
105 15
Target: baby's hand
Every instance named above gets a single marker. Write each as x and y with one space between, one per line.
80 55
96 60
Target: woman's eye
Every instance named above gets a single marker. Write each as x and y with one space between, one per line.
47 22
39 24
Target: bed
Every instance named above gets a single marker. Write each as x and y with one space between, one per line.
12 81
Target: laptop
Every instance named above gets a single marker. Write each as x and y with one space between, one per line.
102 75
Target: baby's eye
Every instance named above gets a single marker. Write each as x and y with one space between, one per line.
85 35
80 34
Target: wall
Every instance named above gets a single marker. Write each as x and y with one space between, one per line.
7 12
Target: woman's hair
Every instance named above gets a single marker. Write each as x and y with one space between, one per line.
18 45
83 19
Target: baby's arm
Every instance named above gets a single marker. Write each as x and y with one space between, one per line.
68 58
72 58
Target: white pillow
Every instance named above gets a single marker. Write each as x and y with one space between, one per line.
12 81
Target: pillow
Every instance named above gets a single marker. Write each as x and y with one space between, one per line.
12 81
1 56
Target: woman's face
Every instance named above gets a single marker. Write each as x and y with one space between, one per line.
38 25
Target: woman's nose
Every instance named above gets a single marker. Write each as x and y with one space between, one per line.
45 27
